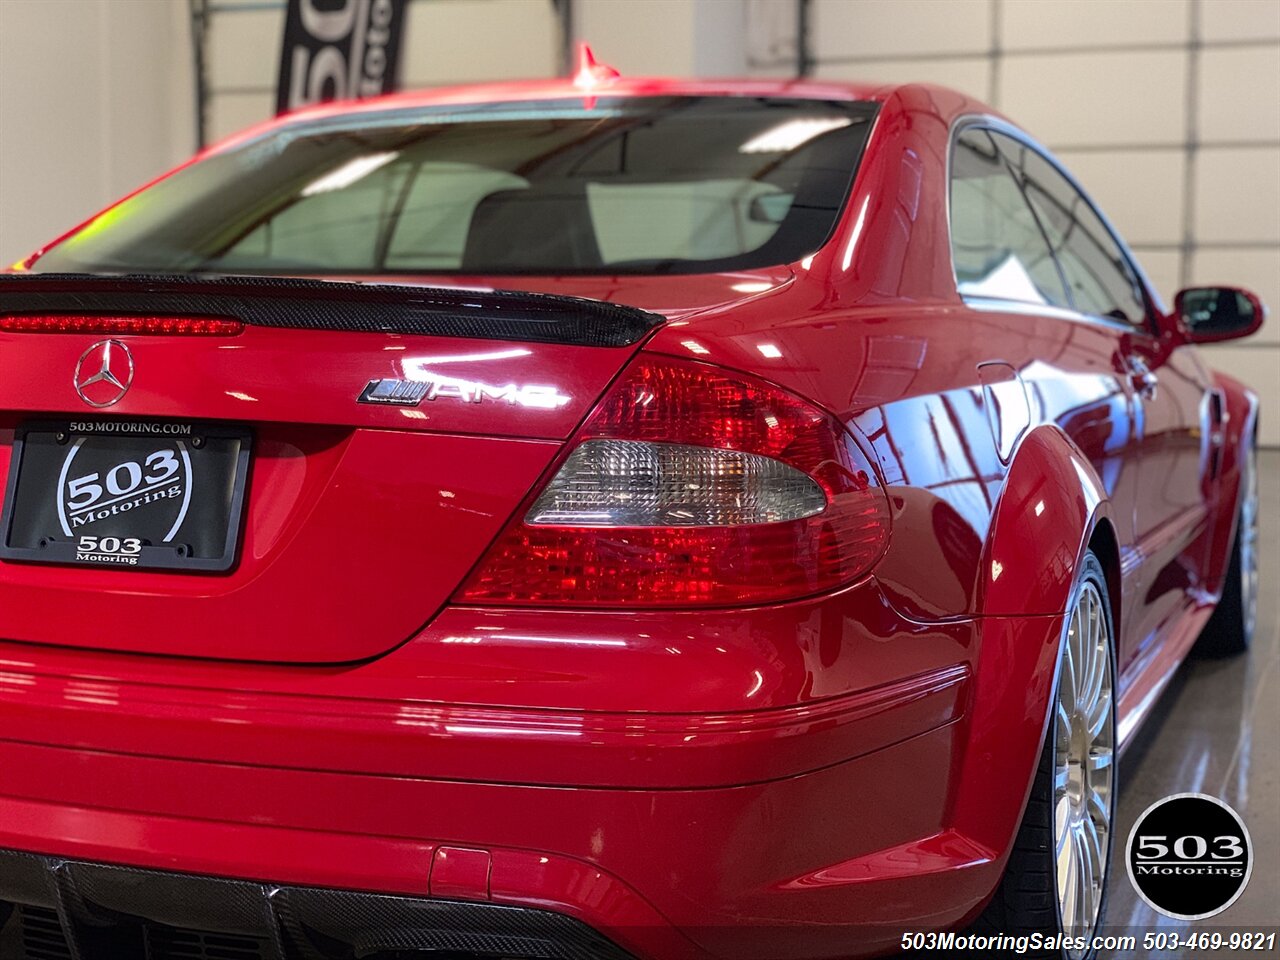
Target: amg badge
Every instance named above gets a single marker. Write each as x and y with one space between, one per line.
410 393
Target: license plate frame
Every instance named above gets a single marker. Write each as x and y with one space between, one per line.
200 441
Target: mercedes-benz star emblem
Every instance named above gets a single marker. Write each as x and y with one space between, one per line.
104 373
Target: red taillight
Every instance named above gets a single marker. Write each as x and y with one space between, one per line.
689 485
122 326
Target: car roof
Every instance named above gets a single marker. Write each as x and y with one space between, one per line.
565 88
560 87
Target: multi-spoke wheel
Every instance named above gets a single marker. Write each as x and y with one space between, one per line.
1083 749
1056 878
1230 629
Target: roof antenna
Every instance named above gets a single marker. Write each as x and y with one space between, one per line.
591 74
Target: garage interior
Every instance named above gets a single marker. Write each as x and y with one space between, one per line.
1168 111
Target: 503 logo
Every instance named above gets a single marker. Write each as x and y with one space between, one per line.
140 500
1190 856
124 550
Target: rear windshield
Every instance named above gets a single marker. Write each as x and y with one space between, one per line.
679 185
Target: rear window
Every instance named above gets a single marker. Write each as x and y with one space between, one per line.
679 185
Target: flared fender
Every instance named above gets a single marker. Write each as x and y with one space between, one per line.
1050 504
1049 508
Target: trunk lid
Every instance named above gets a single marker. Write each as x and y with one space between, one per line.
359 519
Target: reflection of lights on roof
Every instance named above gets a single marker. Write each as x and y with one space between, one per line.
693 346
769 350
794 133
349 173
1039 508
755 286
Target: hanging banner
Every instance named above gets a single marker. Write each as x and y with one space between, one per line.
339 50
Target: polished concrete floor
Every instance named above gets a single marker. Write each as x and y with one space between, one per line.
1216 731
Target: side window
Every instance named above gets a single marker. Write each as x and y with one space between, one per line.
996 245
1098 275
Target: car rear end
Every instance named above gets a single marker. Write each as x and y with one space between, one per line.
430 615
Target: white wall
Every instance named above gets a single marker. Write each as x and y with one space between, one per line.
1167 110
446 41
95 98
459 41
666 37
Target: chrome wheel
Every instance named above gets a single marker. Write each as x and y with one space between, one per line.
1084 747
1248 534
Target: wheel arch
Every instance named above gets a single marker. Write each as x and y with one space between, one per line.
1106 547
1052 510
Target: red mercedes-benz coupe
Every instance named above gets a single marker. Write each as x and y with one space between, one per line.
638 519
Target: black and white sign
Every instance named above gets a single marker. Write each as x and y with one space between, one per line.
1189 856
339 50
130 494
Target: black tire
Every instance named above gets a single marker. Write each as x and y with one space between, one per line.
1026 902
1230 629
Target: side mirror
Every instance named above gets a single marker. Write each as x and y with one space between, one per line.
1209 314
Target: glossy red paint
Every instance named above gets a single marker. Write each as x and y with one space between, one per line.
801 779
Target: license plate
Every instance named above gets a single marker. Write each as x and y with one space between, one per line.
130 494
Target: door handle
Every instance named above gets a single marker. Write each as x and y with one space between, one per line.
1141 378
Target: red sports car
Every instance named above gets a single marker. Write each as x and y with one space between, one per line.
623 519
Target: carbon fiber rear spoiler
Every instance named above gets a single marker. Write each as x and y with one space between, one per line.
329 305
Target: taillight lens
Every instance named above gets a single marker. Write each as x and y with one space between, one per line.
638 483
689 485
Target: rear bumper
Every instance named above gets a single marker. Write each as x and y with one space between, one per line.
819 829
808 866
